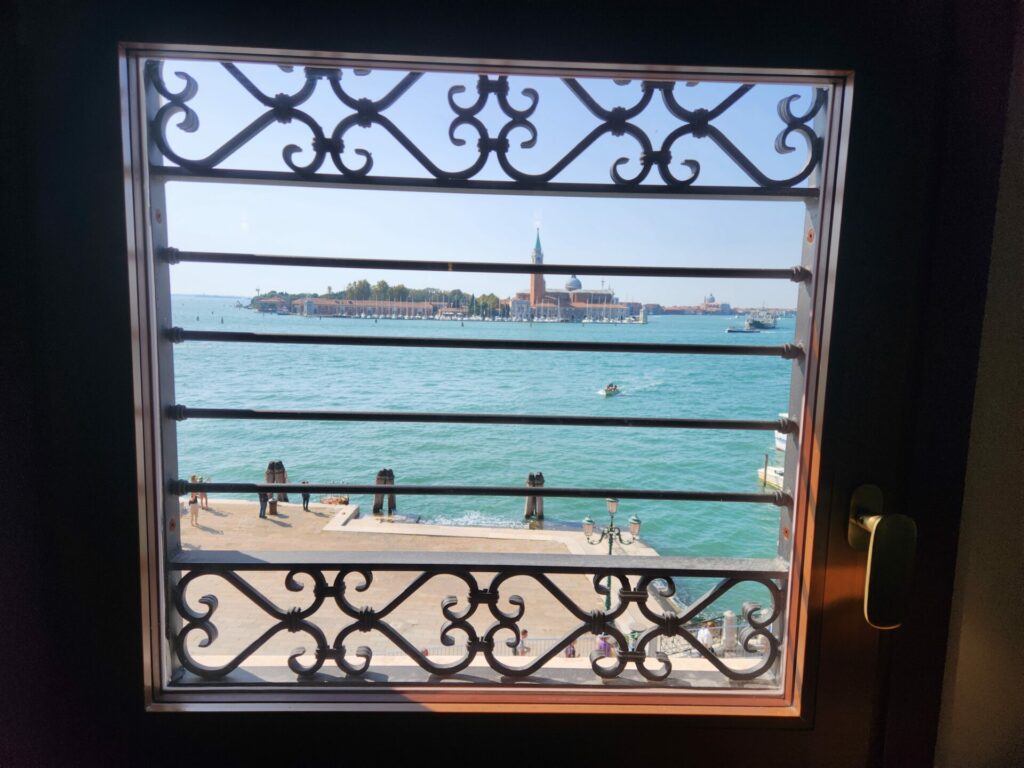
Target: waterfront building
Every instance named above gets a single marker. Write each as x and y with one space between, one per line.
358 307
386 308
574 303
710 306
269 304
311 306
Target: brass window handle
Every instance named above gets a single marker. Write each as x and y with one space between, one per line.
890 540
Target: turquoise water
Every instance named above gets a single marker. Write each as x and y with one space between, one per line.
367 378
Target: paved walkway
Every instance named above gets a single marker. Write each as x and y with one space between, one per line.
235 525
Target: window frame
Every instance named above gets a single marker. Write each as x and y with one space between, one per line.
156 436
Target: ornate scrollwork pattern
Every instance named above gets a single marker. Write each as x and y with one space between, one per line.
365 113
758 640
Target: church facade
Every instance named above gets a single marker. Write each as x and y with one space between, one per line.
572 304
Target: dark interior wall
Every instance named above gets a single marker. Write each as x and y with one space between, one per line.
930 88
981 695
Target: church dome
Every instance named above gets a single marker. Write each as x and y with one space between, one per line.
573 284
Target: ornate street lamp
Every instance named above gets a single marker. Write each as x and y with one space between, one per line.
613 533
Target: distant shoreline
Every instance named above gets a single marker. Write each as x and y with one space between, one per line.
737 311
206 296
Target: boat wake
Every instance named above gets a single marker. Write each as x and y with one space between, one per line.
472 518
646 386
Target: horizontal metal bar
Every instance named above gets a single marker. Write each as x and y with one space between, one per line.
778 498
484 186
234 560
173 255
784 351
182 412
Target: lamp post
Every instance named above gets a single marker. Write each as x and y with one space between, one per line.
613 533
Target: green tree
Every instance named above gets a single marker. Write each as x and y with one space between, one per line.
488 304
360 289
380 290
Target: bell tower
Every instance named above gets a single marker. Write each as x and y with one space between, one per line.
537 287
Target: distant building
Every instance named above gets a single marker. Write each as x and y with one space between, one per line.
270 304
310 306
710 306
573 304
381 308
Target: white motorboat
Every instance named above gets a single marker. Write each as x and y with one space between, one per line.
780 437
773 477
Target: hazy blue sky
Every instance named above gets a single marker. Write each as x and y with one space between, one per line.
419 225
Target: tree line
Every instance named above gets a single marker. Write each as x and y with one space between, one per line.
486 304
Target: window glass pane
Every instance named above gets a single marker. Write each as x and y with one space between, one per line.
462 288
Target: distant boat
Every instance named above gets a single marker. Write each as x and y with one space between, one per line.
773 477
761 319
735 329
780 437
610 391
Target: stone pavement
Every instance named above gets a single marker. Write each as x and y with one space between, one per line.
235 525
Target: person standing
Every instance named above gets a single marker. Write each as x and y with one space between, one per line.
204 500
705 637
194 479
570 650
264 498
193 509
538 501
305 498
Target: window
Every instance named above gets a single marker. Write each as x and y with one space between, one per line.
376 614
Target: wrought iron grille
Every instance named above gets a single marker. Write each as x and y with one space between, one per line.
336 145
753 655
485 620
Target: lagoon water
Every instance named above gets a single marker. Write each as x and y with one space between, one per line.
409 379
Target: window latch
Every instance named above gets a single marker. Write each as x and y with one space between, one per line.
890 540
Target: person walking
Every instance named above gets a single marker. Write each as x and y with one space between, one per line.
305 498
634 638
264 498
705 637
196 479
570 650
522 649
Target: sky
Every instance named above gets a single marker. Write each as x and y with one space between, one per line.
322 221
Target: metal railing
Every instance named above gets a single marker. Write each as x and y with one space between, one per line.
329 147
778 498
337 578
